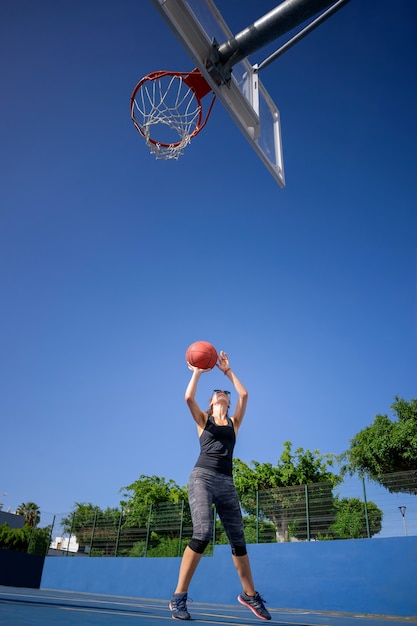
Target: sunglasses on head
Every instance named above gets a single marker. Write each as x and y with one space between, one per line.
221 391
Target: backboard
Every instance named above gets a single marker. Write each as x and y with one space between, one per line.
197 24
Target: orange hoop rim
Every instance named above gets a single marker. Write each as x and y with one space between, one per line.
199 86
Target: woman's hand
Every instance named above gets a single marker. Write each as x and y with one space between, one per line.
223 363
193 368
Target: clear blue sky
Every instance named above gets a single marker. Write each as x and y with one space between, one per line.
112 263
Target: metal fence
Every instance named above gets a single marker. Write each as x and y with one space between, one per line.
357 508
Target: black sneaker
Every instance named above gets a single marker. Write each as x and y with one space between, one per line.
254 603
178 606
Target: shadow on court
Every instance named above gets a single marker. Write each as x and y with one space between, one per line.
44 607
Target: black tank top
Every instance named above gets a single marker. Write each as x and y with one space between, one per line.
216 447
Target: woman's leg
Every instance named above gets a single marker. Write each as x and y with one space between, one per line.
245 574
189 563
200 500
228 508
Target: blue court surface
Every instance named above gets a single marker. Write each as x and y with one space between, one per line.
44 607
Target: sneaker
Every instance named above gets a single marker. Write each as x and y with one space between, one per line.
254 603
178 606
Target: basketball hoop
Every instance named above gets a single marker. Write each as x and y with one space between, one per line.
169 104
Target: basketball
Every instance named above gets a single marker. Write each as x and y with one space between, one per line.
201 354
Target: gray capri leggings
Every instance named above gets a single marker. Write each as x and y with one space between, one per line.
207 487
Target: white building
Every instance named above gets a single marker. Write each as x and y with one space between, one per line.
66 544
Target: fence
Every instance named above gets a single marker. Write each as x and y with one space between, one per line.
357 508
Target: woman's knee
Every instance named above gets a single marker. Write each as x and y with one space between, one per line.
198 545
239 550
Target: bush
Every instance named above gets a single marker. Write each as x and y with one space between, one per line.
26 539
16 539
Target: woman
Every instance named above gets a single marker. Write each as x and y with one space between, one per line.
211 482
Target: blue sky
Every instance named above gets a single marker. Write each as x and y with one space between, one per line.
112 263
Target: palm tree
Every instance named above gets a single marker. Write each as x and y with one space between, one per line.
31 513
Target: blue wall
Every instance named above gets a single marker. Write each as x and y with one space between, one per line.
372 576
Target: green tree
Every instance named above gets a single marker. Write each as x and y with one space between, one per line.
31 513
146 494
350 522
16 539
26 539
152 512
93 527
160 508
278 499
81 520
387 446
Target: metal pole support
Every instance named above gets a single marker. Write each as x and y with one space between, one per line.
286 16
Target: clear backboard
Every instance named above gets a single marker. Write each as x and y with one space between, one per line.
199 26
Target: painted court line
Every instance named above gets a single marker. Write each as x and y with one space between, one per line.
44 607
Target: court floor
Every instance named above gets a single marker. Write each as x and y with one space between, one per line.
44 607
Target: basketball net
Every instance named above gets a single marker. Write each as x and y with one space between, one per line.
166 109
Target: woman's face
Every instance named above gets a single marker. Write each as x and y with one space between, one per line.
220 397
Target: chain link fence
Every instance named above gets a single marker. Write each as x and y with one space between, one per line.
356 508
